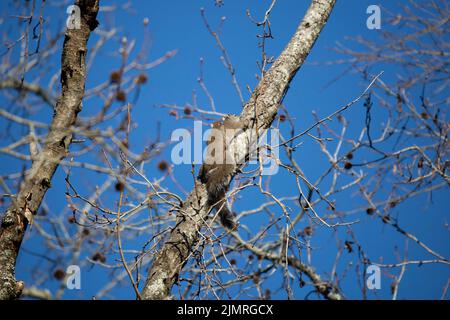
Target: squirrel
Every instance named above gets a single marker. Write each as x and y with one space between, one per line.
219 166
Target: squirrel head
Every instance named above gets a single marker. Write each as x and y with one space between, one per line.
231 121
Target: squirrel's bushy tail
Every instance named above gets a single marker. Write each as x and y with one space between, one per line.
216 181
225 215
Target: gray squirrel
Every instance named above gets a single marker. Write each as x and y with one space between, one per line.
219 166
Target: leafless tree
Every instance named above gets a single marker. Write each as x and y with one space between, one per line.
182 244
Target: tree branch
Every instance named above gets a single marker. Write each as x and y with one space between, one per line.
29 87
32 191
259 113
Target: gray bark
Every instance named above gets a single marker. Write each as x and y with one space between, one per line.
259 112
37 182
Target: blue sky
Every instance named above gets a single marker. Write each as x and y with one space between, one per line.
177 25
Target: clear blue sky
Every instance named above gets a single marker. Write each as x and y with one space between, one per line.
178 25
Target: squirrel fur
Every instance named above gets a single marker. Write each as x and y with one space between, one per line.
219 166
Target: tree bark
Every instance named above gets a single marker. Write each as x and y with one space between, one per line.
32 191
260 111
